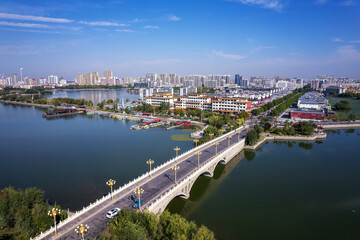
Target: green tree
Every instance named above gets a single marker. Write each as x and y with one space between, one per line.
352 117
252 137
342 106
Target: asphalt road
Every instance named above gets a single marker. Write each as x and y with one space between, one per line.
161 180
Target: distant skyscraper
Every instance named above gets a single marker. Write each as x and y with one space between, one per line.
14 79
53 80
238 79
108 74
172 77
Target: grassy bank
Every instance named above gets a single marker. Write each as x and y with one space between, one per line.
355 106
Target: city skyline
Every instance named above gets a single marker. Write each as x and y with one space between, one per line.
132 38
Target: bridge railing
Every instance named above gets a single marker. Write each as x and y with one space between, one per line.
194 172
126 185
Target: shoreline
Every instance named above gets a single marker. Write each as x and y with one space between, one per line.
269 138
30 104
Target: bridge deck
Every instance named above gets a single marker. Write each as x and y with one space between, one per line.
162 178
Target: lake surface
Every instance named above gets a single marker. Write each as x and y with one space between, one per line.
94 95
283 191
72 158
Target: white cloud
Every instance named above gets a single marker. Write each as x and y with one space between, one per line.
101 23
29 30
136 20
174 18
151 27
337 40
27 25
34 18
124 30
257 49
271 4
347 52
348 3
357 41
228 56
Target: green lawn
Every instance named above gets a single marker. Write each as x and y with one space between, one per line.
181 137
355 105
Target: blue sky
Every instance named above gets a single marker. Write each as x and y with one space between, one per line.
300 38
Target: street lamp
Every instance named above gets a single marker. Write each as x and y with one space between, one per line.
139 191
198 154
175 168
149 162
53 213
229 137
111 183
216 145
177 151
211 135
238 132
196 141
82 229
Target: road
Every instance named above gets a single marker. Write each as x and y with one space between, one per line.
162 180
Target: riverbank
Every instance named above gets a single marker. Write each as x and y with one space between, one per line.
268 137
31 104
342 125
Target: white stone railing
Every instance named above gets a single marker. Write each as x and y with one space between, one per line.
194 173
132 182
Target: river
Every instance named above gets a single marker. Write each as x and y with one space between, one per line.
72 158
284 190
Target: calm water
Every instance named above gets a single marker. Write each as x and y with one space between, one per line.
283 191
72 158
94 95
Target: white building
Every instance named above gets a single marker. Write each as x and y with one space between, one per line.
160 97
230 105
193 101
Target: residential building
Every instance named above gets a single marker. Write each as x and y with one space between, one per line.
160 97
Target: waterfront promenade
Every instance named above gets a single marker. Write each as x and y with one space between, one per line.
159 190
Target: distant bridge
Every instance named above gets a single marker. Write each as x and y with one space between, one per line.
159 190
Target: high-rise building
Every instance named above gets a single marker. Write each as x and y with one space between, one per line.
108 74
172 77
95 78
14 79
238 79
53 80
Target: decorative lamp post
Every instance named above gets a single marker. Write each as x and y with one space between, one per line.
216 146
198 154
111 183
53 214
175 168
150 162
196 141
228 137
177 151
139 191
82 229
211 135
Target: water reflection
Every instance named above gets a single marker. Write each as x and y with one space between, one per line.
203 187
95 96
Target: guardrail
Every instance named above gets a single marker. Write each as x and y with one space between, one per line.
132 182
194 172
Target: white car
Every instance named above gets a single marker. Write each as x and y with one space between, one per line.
112 213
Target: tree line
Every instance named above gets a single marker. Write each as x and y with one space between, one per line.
129 225
275 102
24 214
